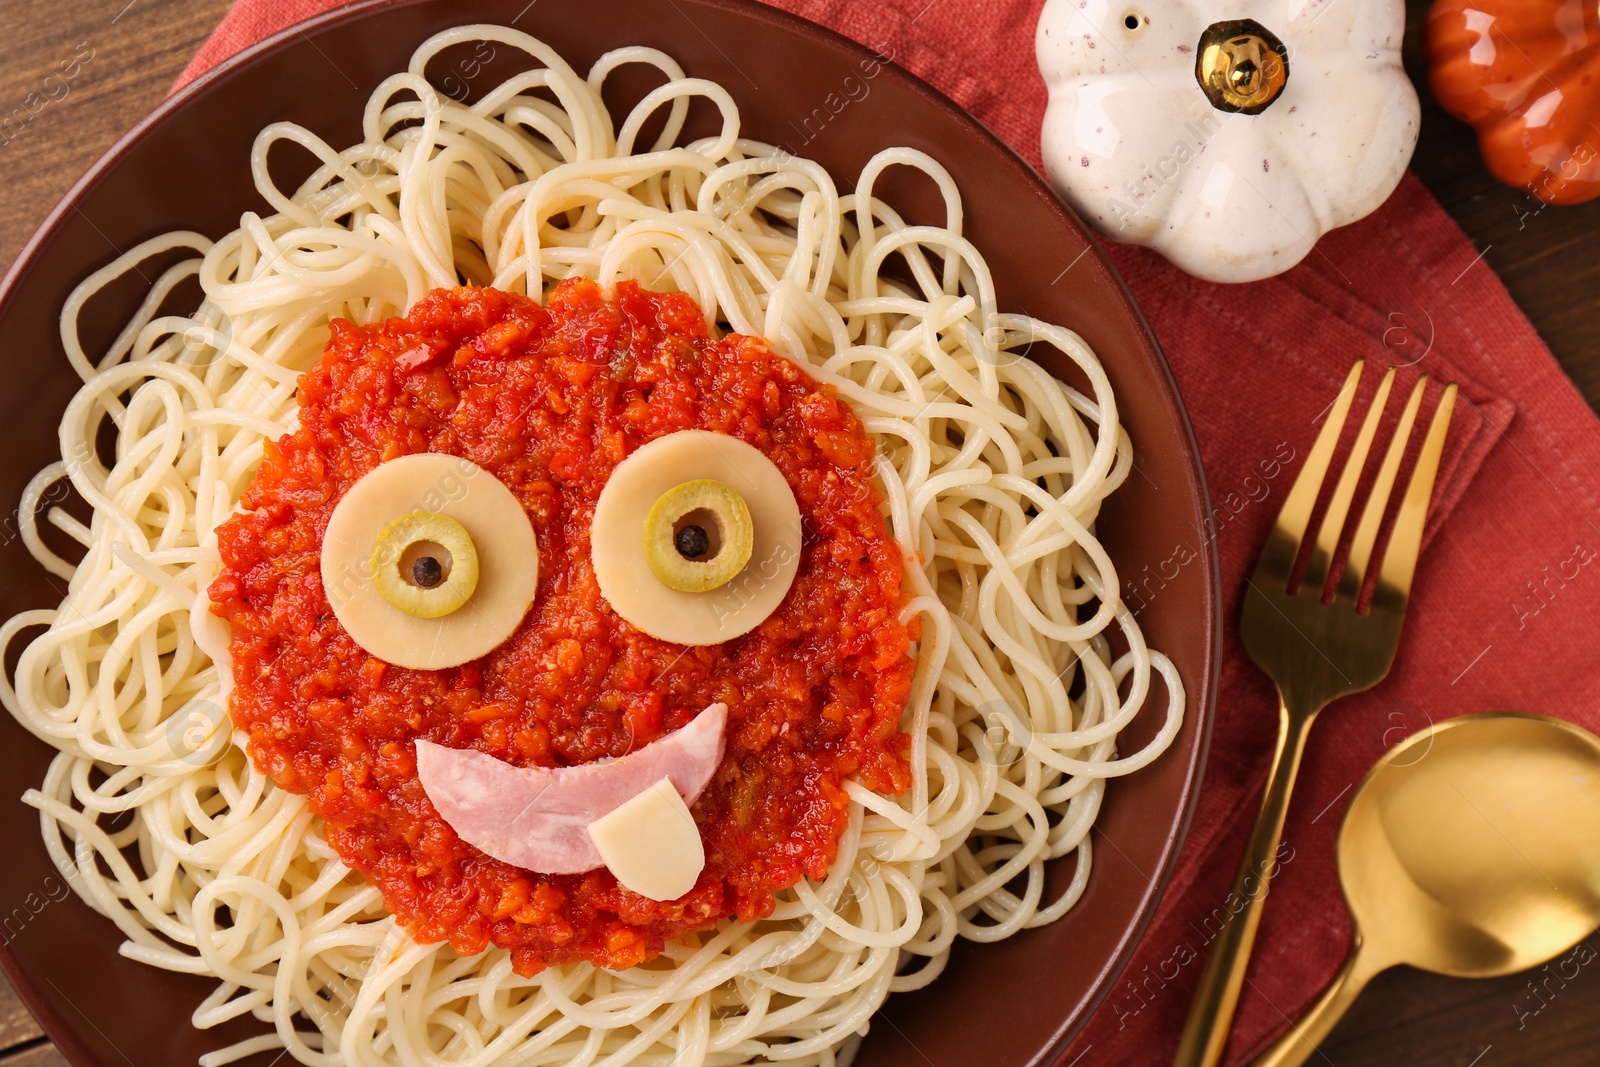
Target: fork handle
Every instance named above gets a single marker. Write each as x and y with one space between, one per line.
1205 1033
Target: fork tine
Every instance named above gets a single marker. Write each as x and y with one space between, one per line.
1283 544
1400 558
1354 574
1343 493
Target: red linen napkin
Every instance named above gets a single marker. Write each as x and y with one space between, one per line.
1503 610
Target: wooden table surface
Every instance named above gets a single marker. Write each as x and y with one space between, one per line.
1548 259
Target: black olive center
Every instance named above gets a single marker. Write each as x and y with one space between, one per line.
427 572
692 542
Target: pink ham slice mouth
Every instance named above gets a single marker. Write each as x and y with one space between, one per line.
538 818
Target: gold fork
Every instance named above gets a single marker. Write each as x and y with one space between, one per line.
1316 653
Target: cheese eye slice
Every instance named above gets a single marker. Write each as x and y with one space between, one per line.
651 843
469 498
622 519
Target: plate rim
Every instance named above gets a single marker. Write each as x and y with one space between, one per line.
1201 706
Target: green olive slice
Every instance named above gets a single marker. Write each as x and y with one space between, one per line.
698 536
425 564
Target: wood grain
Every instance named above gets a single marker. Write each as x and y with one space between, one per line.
16 1025
49 134
1546 256
43 1054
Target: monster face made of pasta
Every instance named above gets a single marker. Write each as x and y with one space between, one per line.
467 654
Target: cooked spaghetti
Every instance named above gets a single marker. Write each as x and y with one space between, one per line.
992 471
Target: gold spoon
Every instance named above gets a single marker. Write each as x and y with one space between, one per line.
1471 849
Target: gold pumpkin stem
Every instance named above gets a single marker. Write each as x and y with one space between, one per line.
1241 66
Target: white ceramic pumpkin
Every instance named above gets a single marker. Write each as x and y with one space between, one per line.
1229 136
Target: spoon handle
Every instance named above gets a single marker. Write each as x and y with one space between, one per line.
1300 1043
1205 1032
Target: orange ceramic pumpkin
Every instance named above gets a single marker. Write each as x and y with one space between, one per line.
1526 75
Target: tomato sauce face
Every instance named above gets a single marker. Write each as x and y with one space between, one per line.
550 399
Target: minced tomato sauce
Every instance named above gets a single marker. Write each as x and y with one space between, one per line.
549 399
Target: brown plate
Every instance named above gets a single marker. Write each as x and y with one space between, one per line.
187 167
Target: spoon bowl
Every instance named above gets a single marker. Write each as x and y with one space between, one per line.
1471 849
